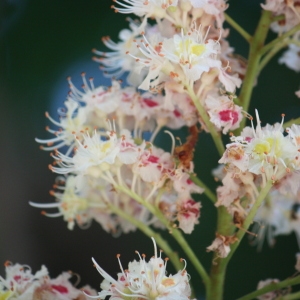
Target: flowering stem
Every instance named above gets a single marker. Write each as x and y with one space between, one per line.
217 274
215 136
173 256
248 221
255 54
275 286
191 255
280 39
226 228
271 54
174 232
291 122
210 195
295 42
278 18
294 296
238 28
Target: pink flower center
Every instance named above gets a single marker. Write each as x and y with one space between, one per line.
60 288
229 115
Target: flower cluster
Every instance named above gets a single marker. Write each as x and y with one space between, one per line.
185 48
21 284
145 280
183 74
98 162
182 61
254 158
288 8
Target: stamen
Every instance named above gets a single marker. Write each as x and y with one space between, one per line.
173 140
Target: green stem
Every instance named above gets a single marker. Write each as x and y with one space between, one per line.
210 195
177 235
294 296
291 122
238 28
273 287
278 18
249 219
212 130
173 256
225 227
280 39
295 42
270 55
253 60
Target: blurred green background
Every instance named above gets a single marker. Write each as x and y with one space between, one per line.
43 42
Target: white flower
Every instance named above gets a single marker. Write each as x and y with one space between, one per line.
221 245
294 133
20 281
117 62
288 8
154 165
148 8
270 153
152 60
273 218
97 153
193 53
21 284
188 213
70 203
291 58
93 151
212 7
145 280
224 113
104 100
270 295
73 120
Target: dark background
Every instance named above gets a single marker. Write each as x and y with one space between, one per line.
41 43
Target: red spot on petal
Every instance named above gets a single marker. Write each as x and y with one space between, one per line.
149 102
229 115
153 159
177 113
17 278
60 288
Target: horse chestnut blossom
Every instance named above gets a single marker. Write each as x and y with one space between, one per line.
117 62
224 113
145 280
264 151
221 245
276 216
72 120
182 74
21 284
268 296
288 8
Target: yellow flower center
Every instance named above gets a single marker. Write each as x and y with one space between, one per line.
262 148
5 295
197 49
189 47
